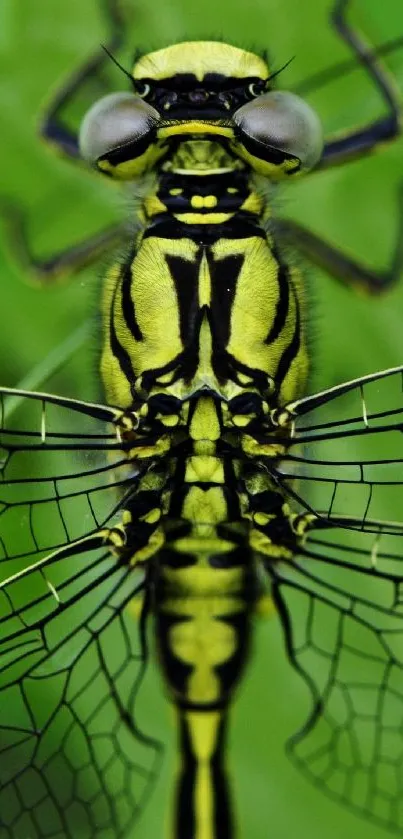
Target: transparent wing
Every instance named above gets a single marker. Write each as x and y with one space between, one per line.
345 461
63 471
341 606
73 758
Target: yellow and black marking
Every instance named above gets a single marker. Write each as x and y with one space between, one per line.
205 366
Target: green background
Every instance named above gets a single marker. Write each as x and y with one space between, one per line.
40 42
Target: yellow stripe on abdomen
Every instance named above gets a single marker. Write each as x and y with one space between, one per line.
202 806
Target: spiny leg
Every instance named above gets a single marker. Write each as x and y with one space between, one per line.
52 127
321 78
62 265
362 141
340 265
342 149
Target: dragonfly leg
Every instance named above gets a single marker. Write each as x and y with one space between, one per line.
59 266
339 264
52 128
363 140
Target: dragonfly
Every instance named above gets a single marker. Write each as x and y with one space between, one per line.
207 483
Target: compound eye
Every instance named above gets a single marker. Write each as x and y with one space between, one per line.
282 122
118 124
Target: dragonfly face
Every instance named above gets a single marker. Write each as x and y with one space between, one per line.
210 481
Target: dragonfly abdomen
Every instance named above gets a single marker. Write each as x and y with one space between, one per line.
203 619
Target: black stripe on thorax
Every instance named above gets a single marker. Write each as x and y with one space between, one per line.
185 275
128 305
117 350
224 277
292 350
282 305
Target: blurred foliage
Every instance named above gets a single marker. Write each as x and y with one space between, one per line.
40 43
